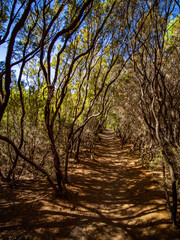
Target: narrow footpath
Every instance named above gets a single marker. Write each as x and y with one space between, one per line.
118 198
113 197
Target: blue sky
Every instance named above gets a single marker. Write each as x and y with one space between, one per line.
3 49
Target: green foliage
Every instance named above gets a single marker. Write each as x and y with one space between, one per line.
173 29
4 11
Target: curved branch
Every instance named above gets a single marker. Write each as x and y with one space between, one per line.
37 167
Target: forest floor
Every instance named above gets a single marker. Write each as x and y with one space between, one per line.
112 197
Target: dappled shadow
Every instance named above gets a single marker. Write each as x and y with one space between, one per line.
113 198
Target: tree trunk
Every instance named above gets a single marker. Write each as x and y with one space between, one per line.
66 164
168 155
174 197
59 176
77 150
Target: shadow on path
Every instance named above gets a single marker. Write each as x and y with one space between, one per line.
114 198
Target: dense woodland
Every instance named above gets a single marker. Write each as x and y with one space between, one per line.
73 68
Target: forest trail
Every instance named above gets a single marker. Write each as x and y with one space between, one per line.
113 198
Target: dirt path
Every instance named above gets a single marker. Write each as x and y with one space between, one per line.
114 198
